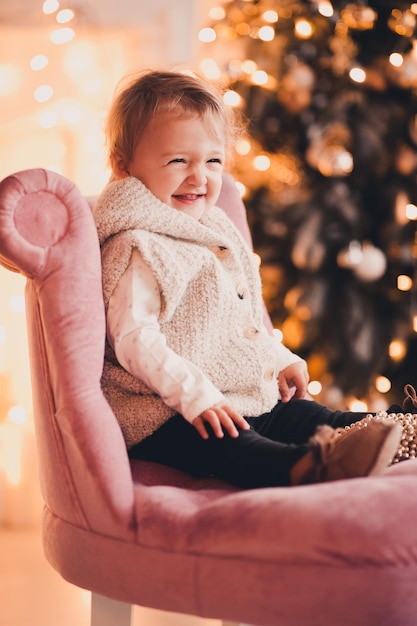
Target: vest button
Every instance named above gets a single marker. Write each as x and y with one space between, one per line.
242 291
222 252
269 374
250 333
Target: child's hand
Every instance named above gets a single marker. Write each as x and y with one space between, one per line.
220 416
293 381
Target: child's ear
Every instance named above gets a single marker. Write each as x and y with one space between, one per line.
119 165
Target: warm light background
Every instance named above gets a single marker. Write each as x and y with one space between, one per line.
62 130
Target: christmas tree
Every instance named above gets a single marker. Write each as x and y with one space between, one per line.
328 173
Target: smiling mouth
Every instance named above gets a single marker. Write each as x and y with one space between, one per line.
189 197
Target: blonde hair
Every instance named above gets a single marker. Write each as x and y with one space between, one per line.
154 91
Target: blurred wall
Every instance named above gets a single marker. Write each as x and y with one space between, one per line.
53 100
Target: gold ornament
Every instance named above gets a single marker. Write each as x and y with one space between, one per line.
329 150
359 16
402 22
344 51
335 161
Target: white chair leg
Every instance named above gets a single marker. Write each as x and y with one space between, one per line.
107 612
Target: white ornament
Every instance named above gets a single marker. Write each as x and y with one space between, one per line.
372 265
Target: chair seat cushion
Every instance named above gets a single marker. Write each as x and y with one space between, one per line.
336 553
365 521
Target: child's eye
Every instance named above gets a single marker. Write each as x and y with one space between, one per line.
178 160
215 160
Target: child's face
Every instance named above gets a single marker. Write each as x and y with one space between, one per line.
180 160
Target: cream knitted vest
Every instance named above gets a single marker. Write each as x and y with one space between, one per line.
211 299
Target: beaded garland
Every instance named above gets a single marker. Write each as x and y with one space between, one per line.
408 444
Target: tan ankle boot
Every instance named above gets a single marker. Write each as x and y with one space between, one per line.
338 453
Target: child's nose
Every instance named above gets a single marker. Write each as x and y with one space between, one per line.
198 175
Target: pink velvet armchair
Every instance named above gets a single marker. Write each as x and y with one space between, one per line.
335 554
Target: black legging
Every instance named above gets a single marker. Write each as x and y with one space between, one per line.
260 457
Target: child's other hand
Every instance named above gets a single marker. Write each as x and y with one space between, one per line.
293 381
220 416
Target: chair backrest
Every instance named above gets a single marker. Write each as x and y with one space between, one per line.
47 233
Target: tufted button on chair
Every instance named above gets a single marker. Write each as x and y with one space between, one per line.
333 554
